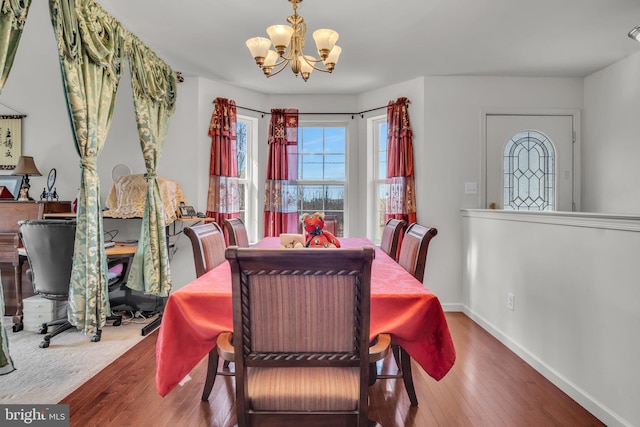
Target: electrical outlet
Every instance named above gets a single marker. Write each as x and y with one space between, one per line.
510 301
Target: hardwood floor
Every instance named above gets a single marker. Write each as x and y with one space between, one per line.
488 386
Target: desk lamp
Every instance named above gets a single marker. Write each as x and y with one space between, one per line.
25 167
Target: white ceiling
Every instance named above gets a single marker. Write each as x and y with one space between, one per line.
386 42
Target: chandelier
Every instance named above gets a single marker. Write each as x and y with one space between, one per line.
288 42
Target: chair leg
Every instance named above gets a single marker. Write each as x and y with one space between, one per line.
395 348
405 365
373 373
63 325
212 370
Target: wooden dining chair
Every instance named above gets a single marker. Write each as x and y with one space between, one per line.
207 242
391 234
236 232
412 257
331 224
301 335
413 251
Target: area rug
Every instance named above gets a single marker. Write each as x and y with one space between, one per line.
47 375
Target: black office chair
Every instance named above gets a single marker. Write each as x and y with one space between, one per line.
49 246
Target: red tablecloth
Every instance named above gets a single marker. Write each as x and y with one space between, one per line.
195 314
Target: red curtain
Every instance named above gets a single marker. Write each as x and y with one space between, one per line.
400 191
223 200
281 191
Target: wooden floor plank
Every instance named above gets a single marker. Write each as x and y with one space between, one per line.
488 386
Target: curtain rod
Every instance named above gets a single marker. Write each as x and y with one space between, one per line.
361 113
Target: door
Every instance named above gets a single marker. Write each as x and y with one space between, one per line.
539 162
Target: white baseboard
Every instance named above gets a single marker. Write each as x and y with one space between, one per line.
583 398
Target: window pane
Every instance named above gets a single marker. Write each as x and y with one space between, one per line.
241 138
242 191
334 198
322 157
382 151
311 140
334 139
311 167
334 167
311 198
528 172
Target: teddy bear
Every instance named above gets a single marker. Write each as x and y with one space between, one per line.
317 236
291 241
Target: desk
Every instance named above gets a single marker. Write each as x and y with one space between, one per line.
195 314
119 251
11 212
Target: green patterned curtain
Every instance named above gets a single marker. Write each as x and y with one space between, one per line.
6 364
13 15
90 48
154 94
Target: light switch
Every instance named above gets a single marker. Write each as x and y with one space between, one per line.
470 188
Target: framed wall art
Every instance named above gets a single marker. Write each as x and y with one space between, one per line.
10 141
11 183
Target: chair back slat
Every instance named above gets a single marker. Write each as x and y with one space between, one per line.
302 308
413 251
207 242
391 236
236 232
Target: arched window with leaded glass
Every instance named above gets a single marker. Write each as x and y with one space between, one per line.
529 172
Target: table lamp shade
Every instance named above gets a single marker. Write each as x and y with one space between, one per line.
26 166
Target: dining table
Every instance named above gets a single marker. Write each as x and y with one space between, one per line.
401 305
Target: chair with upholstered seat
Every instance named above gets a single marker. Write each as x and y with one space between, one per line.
207 242
236 232
412 257
301 335
49 246
391 233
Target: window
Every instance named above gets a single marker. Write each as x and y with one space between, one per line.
247 188
529 172
322 171
379 174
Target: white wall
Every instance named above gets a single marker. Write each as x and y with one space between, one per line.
35 88
447 150
611 143
445 115
575 285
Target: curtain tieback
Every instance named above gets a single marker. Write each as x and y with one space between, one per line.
149 176
88 165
